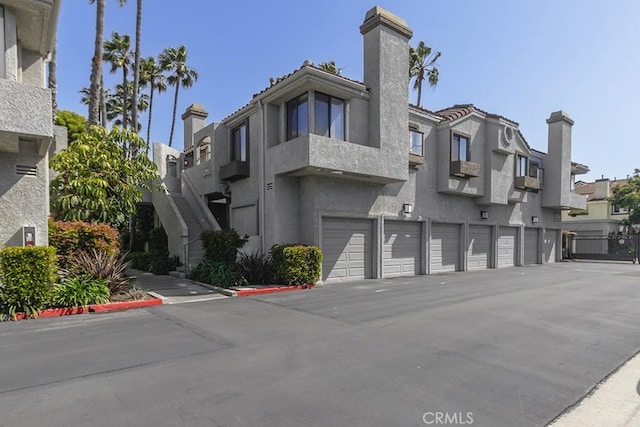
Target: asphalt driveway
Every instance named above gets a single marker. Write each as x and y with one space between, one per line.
511 347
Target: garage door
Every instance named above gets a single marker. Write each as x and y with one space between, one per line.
550 245
402 248
479 248
507 239
530 246
445 247
347 247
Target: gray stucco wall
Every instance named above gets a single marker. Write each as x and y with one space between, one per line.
25 110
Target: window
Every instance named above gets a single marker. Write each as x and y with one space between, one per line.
415 142
329 116
239 144
459 148
204 154
617 210
3 48
297 117
534 169
521 167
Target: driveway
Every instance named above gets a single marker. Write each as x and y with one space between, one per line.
511 347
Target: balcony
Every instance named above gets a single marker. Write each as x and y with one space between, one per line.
415 160
234 171
25 112
464 169
529 183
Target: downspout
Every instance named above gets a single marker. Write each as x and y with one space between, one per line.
262 192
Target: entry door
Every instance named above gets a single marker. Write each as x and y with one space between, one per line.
531 249
550 245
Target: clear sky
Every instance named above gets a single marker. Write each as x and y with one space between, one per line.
521 59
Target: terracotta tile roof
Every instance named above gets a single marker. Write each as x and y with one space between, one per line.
461 110
589 188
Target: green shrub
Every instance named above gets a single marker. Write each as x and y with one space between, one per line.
222 245
69 238
80 291
140 260
102 265
158 241
297 264
256 268
163 264
27 275
218 274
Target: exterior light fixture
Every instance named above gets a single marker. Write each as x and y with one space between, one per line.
534 219
484 214
407 208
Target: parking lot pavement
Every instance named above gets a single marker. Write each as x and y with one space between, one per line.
512 347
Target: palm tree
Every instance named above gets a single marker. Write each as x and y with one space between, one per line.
53 81
136 68
175 60
119 108
423 62
86 96
117 52
96 64
151 73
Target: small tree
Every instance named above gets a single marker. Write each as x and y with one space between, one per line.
75 123
628 196
99 180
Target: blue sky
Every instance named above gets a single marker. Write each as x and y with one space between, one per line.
520 59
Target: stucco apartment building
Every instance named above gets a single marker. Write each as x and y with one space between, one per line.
385 188
27 133
600 217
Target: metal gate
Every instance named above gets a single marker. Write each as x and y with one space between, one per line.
619 247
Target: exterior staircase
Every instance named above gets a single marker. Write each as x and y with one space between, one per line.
196 226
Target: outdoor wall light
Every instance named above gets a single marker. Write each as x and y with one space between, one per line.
407 208
484 214
534 219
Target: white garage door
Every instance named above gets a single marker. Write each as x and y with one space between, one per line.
550 245
479 248
507 238
530 246
347 248
402 248
445 247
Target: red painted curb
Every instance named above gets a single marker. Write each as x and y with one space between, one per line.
95 308
262 291
123 305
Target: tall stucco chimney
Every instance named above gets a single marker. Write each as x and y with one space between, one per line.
386 75
194 119
602 189
558 161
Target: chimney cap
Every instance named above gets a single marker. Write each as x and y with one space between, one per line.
195 110
379 16
559 116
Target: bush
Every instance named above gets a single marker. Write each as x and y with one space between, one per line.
222 245
140 260
80 291
297 264
27 275
158 241
69 238
104 266
218 274
163 264
256 268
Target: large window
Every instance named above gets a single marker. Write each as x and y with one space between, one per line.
534 169
617 210
3 48
239 143
297 117
415 142
521 167
459 148
329 116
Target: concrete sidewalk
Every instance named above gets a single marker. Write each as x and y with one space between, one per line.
615 402
173 290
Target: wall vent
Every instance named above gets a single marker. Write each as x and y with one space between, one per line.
26 170
270 186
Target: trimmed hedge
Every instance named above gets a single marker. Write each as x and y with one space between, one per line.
27 275
222 245
154 263
69 238
297 264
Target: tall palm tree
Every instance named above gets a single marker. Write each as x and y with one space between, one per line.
422 63
53 81
175 60
118 52
96 64
119 108
136 67
151 73
86 96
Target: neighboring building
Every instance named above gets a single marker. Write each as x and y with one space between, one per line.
600 217
27 134
385 188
